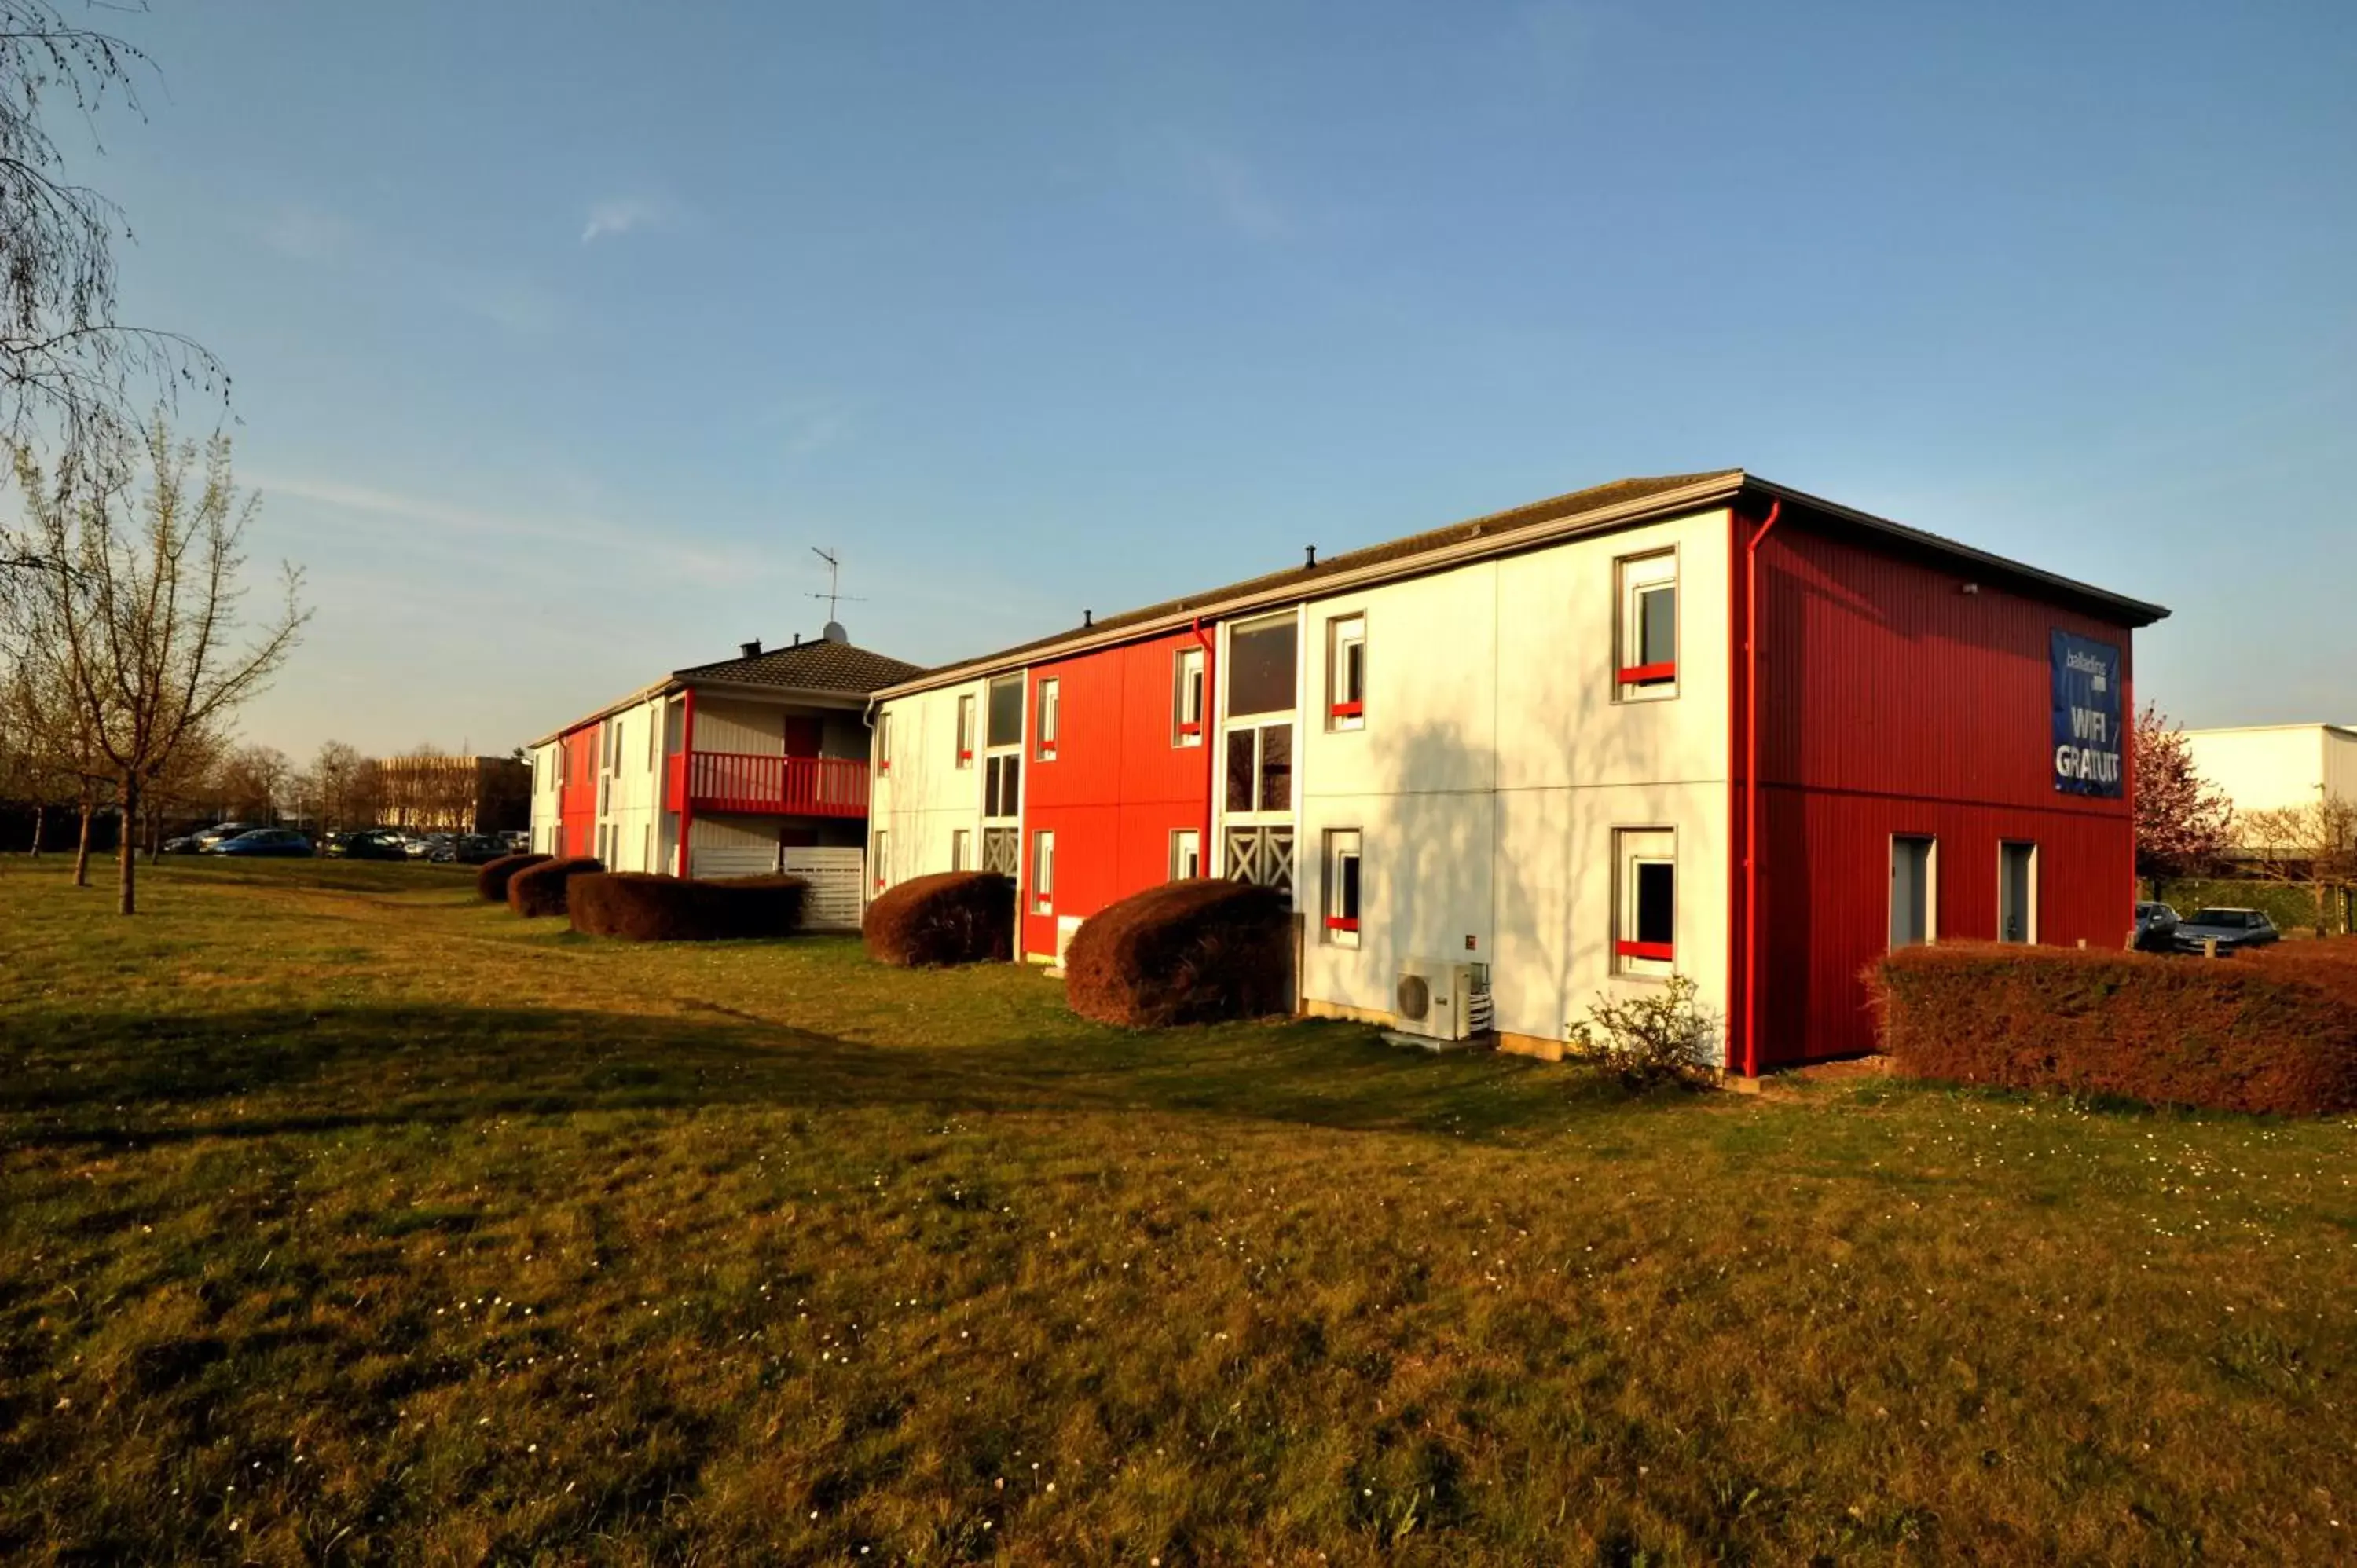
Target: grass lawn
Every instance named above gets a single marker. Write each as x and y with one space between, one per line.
343 1219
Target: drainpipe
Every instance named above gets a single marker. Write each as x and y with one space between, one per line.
1203 733
686 780
1751 791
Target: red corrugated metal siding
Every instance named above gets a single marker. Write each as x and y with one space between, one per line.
577 802
1891 701
1116 788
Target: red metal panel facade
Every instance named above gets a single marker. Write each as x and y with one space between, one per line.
1891 700
1114 789
576 799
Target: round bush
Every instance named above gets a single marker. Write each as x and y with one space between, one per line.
491 881
539 890
640 907
1186 952
951 916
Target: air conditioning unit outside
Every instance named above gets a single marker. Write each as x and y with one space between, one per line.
1441 999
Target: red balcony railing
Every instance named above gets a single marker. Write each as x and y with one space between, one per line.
782 786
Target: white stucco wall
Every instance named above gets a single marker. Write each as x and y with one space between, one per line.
1495 763
926 796
2265 768
543 796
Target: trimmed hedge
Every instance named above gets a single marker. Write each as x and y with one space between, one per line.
491 880
2273 1030
642 907
538 890
1186 952
950 917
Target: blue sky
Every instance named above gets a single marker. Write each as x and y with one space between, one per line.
561 332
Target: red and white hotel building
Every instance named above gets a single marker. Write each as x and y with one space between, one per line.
737 767
1547 743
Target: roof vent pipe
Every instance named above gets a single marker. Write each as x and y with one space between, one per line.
797 639
1311 559
750 649
1088 619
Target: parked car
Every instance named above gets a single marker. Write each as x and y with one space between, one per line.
421 846
264 841
479 849
2232 929
367 844
2155 928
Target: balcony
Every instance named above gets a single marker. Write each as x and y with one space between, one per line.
766 785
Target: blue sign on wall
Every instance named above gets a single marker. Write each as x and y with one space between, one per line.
2088 731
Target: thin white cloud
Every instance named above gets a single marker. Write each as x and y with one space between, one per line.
501 295
590 538
1235 190
617 215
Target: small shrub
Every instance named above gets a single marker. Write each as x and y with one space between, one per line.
950 917
491 880
1663 1036
640 907
538 890
1185 952
2268 1031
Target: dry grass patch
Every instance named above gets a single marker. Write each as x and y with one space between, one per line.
443 1236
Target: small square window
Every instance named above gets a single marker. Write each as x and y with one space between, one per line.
1051 717
1043 872
1345 672
1646 927
1342 888
1647 658
1187 697
1186 854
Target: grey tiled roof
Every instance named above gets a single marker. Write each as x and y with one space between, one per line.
816 666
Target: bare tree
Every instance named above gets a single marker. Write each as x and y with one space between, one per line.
252 782
335 783
139 602
67 365
2312 846
47 721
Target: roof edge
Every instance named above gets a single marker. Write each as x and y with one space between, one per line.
1722 487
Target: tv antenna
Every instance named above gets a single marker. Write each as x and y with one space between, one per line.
834 595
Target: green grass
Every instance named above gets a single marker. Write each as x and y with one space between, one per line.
344 1221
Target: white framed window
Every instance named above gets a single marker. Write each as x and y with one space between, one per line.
1186 853
1914 889
1043 872
1647 618
1002 785
883 742
1260 769
1345 672
879 857
1051 703
1004 718
2017 891
1645 925
962 849
965 709
1187 697
1343 886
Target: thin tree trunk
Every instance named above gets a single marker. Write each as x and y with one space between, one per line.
81 846
40 814
126 857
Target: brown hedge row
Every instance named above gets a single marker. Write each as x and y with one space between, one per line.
1185 952
2269 1031
640 907
539 890
492 879
951 916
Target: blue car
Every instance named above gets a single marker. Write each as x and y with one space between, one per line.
264 841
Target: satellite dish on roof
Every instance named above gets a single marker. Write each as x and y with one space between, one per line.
835 632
